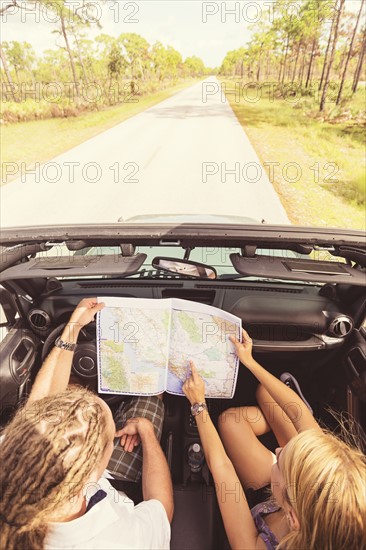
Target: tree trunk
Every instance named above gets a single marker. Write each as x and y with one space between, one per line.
141 69
259 63
268 64
289 70
358 71
302 67
332 54
80 58
280 73
349 54
285 59
296 62
73 69
326 53
312 72
308 78
7 74
259 69
342 60
17 73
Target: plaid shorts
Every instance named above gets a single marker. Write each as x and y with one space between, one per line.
128 466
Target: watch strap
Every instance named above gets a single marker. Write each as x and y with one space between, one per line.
68 346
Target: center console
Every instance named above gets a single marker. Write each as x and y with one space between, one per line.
197 521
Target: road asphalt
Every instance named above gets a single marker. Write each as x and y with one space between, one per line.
188 154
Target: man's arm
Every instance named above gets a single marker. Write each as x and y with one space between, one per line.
156 480
54 375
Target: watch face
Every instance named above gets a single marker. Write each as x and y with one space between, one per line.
197 408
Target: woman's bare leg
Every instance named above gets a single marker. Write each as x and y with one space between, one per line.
239 428
277 419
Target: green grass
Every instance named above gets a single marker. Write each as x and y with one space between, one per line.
330 189
42 140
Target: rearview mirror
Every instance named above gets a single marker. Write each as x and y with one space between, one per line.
185 267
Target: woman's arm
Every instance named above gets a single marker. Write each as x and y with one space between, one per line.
239 524
286 398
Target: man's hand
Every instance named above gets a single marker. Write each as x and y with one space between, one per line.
194 386
130 433
244 350
84 313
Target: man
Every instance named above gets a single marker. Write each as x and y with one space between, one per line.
54 494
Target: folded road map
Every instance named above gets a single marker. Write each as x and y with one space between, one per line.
145 345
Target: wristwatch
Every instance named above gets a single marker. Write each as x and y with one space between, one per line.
64 345
197 408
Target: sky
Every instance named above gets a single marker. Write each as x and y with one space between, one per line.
193 27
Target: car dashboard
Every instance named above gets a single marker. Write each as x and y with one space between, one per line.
309 324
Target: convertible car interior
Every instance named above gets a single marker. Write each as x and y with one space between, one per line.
300 293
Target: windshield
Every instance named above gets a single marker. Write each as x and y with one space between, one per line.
211 112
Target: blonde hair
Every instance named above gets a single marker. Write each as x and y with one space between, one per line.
48 451
325 485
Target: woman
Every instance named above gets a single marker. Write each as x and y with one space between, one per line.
317 481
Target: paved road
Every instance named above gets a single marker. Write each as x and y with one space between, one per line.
175 157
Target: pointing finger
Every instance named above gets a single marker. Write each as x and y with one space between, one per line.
194 370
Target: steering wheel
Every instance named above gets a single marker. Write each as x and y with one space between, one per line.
84 363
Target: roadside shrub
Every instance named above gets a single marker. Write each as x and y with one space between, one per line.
305 104
113 93
358 184
353 189
25 110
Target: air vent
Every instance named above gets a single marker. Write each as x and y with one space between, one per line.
340 326
134 285
39 319
240 286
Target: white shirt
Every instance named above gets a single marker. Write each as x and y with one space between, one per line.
113 523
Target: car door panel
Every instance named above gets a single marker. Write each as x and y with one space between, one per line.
355 364
18 352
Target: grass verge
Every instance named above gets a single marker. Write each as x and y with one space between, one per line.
316 167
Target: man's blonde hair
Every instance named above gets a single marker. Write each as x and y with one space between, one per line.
325 483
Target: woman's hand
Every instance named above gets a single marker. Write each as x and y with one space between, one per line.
194 386
85 311
244 349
